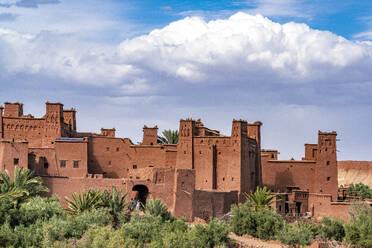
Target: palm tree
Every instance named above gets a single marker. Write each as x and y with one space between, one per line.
23 185
259 199
156 207
115 202
168 137
88 200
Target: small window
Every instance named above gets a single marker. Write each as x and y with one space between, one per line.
109 162
117 149
62 164
328 162
151 143
46 164
16 161
328 178
232 179
76 164
272 155
107 148
134 166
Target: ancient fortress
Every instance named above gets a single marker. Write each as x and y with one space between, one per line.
201 176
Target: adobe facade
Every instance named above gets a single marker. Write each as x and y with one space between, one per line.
201 176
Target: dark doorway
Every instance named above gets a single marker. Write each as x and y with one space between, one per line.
142 193
298 207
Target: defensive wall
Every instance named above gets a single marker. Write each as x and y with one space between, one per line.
201 176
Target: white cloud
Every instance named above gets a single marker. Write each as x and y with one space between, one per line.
241 49
194 50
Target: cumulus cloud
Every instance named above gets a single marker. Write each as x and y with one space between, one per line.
247 48
242 49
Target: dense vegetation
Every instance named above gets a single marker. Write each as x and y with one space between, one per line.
104 219
360 189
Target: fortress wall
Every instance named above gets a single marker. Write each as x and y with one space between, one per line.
213 203
321 205
278 174
353 172
13 154
30 129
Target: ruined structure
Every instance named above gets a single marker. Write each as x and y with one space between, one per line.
201 176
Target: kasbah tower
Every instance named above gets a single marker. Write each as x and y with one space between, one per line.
201 176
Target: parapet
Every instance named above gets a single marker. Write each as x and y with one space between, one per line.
108 132
13 109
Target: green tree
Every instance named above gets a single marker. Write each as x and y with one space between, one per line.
360 189
87 200
168 137
358 231
259 199
23 185
115 201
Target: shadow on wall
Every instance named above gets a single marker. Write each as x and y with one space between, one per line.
283 179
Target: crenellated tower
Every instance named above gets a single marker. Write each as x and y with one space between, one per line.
185 149
326 180
53 123
150 135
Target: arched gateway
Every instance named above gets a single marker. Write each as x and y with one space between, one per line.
142 193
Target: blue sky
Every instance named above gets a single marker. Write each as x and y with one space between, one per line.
298 66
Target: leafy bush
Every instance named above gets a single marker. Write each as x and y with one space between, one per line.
264 223
358 231
300 233
214 234
331 229
360 189
156 207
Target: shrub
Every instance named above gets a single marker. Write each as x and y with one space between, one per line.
331 229
141 230
358 231
214 234
156 207
264 223
39 208
300 233
360 189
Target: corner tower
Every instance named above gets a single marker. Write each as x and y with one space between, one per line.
325 180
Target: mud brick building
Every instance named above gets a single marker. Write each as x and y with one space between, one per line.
201 176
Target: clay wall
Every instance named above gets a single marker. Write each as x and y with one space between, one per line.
185 151
320 205
43 161
116 156
278 174
326 177
213 203
150 135
13 109
69 117
30 129
184 187
72 157
112 156
270 154
311 152
353 172
13 154
176 189
108 132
